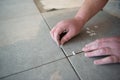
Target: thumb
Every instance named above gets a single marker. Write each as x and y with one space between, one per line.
66 37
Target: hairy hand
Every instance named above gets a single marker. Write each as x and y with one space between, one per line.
105 46
71 27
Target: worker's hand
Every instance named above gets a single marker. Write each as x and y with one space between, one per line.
104 47
71 27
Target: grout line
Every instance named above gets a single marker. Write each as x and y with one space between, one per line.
64 51
46 22
71 63
60 47
32 68
67 57
36 3
44 65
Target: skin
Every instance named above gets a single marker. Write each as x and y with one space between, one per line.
109 46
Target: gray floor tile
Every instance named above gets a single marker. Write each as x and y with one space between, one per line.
113 7
60 70
88 71
25 43
16 8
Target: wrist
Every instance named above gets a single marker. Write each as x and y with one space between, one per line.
80 20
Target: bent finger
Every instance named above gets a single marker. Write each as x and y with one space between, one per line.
67 37
107 60
97 44
99 52
52 32
57 34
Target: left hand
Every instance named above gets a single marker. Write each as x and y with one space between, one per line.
105 46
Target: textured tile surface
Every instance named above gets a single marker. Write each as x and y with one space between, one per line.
60 70
24 38
25 43
16 8
88 71
113 7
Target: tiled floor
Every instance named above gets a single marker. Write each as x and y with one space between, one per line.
27 51
107 26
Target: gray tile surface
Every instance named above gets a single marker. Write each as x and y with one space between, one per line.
25 41
16 8
60 70
113 7
88 71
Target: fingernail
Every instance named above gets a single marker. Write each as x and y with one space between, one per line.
86 55
96 63
84 49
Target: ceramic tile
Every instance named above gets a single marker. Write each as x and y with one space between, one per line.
25 43
60 70
88 71
16 8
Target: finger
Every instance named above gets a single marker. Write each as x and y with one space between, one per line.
56 38
99 52
67 37
57 34
52 32
107 60
100 43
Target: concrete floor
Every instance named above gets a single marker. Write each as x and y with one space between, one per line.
27 51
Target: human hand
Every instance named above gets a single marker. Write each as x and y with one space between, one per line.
102 47
71 27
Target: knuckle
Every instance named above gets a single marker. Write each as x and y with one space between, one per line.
114 39
100 40
113 59
99 43
106 50
66 38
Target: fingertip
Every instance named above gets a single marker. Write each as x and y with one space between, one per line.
86 55
99 62
96 62
62 42
83 49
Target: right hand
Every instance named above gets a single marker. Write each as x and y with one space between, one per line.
71 26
